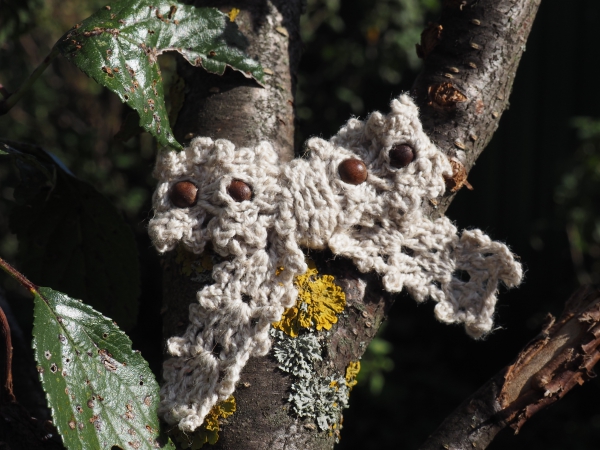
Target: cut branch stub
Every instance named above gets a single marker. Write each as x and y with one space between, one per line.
430 38
560 358
445 96
458 178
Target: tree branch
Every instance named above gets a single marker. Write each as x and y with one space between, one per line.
561 357
471 58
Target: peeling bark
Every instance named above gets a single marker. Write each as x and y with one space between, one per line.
460 111
561 357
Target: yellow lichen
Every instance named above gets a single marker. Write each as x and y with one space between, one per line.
191 263
208 433
351 373
319 301
233 14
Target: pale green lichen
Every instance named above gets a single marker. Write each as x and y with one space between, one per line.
297 356
319 398
319 302
322 399
208 433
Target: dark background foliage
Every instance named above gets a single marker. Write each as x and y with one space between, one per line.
536 188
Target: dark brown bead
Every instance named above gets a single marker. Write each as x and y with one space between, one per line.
183 194
239 191
353 171
401 155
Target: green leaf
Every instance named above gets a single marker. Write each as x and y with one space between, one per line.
118 47
101 392
71 237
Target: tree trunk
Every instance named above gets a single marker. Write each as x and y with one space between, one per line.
237 109
477 52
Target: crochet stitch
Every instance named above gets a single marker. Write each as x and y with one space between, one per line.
379 224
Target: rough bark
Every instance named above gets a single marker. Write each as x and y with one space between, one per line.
469 426
234 108
561 357
471 58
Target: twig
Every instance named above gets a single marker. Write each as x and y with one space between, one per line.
12 99
6 385
18 276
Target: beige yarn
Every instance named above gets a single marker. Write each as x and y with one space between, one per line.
379 224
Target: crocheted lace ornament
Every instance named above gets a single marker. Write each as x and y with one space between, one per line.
379 224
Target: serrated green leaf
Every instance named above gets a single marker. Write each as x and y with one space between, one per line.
71 237
118 47
101 392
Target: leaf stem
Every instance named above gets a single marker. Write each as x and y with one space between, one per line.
18 276
7 104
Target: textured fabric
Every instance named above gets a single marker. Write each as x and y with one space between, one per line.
379 224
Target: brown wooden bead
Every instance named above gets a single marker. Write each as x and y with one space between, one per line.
183 194
239 191
401 155
353 171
